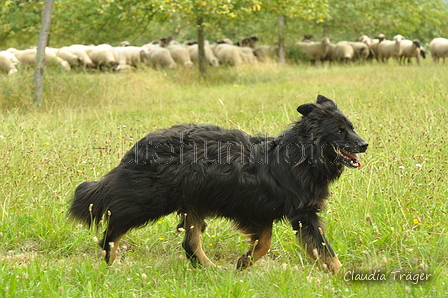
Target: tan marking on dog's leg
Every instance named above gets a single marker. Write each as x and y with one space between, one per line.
193 241
331 263
114 248
260 245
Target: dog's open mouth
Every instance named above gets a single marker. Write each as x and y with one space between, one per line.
350 160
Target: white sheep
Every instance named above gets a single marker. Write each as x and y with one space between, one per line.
343 52
65 54
409 49
180 54
103 56
209 55
228 54
361 50
372 43
8 62
389 48
131 56
248 55
316 51
28 57
81 53
160 57
439 49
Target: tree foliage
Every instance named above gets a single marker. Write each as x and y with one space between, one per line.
140 21
411 18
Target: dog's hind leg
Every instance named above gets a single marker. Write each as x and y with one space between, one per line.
194 227
118 224
110 243
310 235
260 242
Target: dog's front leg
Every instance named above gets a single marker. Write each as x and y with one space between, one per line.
310 235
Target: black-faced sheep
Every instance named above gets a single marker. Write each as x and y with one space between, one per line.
316 51
248 42
224 40
410 49
209 55
439 49
389 48
8 62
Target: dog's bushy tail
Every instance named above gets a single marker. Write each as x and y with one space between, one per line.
90 202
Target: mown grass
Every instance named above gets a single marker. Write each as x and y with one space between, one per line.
390 215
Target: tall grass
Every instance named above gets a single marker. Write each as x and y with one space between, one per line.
388 216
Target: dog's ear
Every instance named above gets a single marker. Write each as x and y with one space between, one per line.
324 101
307 108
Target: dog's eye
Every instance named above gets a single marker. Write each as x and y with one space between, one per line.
340 130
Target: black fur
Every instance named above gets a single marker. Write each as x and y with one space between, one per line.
205 171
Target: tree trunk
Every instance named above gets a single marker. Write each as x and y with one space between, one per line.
281 39
40 55
201 48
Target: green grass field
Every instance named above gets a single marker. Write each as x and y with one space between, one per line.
389 216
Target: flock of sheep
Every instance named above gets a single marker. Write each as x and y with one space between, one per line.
400 49
167 53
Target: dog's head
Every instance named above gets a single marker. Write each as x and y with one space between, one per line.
332 133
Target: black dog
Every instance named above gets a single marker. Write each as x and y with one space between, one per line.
207 171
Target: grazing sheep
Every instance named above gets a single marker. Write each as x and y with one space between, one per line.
265 53
307 37
131 56
409 49
82 55
361 50
209 55
160 57
189 42
317 51
423 52
330 54
8 62
247 55
389 48
124 44
248 42
180 54
224 40
103 56
372 44
343 52
439 49
28 57
228 54
68 56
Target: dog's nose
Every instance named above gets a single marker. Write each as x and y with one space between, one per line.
363 145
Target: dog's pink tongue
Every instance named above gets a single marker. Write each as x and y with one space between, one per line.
359 164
